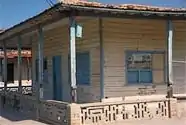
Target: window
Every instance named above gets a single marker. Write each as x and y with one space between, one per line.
83 68
142 66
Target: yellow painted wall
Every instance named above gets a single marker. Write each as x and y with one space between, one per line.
179 54
121 35
56 42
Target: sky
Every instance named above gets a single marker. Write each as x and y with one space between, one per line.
15 11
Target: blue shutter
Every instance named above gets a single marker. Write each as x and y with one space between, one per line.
133 76
83 68
145 76
57 81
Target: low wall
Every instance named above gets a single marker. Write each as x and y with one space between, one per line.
101 113
107 112
181 109
54 112
50 111
19 102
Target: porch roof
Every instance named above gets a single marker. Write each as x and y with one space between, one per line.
83 8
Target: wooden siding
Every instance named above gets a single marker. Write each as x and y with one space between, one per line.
56 42
121 35
179 54
90 42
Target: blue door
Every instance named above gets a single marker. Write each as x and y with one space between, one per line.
57 81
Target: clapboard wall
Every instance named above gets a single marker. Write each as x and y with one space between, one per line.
56 42
121 35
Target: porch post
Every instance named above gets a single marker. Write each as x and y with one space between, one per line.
40 55
40 74
73 59
169 58
101 59
19 62
1 68
5 67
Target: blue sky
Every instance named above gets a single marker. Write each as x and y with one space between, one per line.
14 11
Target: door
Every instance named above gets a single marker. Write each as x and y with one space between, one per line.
57 84
10 73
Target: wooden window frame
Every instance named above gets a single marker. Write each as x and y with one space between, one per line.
127 53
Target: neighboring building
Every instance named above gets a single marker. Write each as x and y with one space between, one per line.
12 74
122 51
1 30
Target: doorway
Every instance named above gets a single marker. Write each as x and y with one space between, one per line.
57 84
10 73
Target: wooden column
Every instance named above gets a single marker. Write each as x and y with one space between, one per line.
5 66
1 68
169 58
73 59
19 63
40 59
101 59
39 85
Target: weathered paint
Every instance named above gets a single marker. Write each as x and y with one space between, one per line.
118 36
19 63
40 58
57 81
5 66
56 43
101 59
73 58
131 35
169 59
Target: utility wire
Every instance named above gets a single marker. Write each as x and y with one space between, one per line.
51 4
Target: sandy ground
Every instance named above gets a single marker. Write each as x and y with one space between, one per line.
15 118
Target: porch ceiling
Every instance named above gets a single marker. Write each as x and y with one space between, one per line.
80 8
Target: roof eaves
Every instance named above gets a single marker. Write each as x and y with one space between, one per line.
85 6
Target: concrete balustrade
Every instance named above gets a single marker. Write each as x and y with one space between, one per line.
106 112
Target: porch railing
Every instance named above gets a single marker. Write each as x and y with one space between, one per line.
101 113
57 112
54 112
50 111
15 101
25 89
